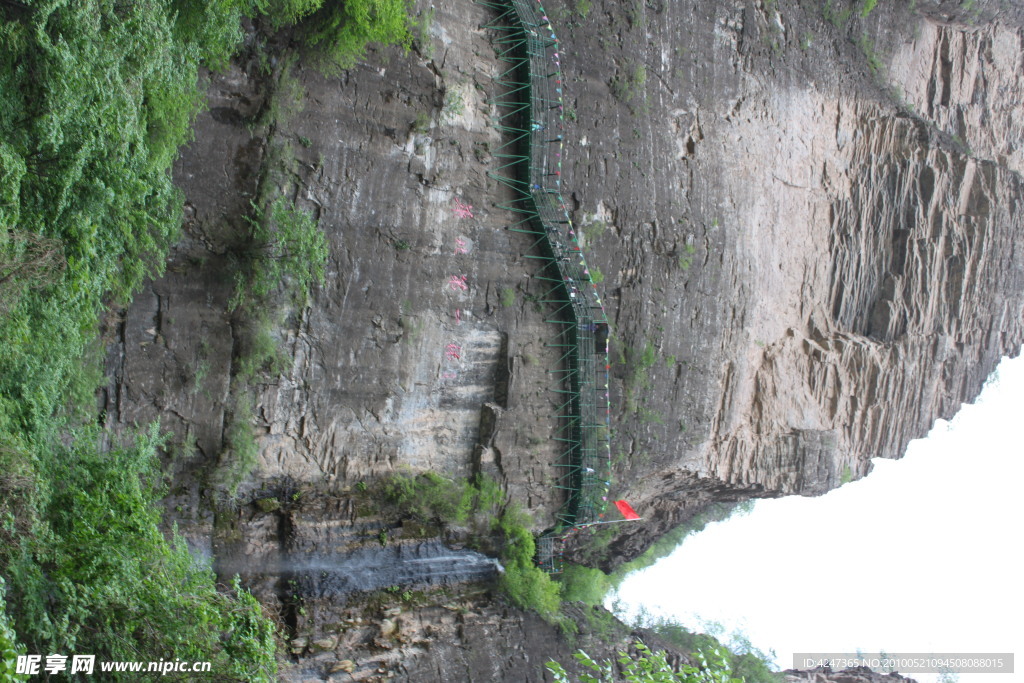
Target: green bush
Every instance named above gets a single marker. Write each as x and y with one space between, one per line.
285 246
340 32
242 452
429 497
743 659
584 584
213 27
96 97
432 499
96 575
525 585
868 6
288 12
647 666
9 646
258 348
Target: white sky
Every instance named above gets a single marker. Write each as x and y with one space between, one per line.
922 555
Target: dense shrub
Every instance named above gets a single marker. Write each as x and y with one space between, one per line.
526 585
96 98
285 246
339 32
584 584
9 646
431 498
744 660
647 666
96 575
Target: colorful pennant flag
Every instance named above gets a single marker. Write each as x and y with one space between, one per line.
626 509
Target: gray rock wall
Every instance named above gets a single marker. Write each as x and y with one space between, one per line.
806 261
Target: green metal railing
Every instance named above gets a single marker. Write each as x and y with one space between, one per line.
532 117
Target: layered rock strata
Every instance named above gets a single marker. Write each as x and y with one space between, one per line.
806 231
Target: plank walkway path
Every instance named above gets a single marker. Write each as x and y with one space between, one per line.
532 117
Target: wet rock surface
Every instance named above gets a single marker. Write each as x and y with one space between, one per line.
807 234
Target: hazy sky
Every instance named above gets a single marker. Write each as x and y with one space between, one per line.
923 555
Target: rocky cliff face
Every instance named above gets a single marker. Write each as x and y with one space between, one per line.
814 234
860 674
806 223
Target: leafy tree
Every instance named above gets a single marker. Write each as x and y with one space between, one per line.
213 27
96 96
525 584
744 659
96 575
647 666
9 646
340 31
584 584
288 12
285 244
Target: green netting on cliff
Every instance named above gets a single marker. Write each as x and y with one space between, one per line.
532 117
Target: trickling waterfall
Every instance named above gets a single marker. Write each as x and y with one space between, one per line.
429 563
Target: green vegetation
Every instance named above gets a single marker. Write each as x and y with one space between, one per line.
454 104
867 47
240 452
96 98
523 582
258 349
593 229
637 15
686 259
283 250
834 16
283 247
649 416
424 44
508 297
432 499
584 584
743 660
626 87
596 276
583 8
286 99
422 123
338 33
9 646
639 378
501 527
647 666
92 572
93 106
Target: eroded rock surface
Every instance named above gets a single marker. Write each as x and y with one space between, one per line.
860 674
807 233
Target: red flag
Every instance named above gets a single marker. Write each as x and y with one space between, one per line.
626 509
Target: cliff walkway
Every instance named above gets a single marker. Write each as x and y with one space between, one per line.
533 119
